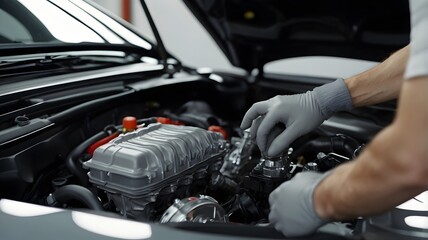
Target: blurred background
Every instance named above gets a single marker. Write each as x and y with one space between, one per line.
187 40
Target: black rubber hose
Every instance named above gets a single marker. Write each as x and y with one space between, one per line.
78 193
146 121
72 162
340 144
82 109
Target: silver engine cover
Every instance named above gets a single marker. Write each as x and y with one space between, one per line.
136 166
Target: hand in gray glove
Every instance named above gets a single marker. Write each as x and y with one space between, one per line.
292 210
300 113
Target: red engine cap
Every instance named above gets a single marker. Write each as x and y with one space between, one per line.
129 123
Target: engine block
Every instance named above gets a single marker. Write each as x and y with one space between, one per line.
136 167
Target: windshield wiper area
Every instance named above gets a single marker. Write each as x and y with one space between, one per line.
60 63
60 60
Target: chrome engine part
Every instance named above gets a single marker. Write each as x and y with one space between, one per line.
200 209
239 156
137 167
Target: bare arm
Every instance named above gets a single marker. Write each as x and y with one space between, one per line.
381 83
392 169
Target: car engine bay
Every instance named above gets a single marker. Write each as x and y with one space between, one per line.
174 172
180 159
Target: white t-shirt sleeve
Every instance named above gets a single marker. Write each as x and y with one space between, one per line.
417 64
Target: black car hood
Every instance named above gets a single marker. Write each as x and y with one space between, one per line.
254 32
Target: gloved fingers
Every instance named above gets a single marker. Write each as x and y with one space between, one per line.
273 196
259 108
307 176
278 227
275 220
265 129
273 217
274 133
283 140
292 210
255 126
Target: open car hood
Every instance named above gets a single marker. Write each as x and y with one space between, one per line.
254 32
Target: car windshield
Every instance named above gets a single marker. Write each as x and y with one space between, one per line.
60 21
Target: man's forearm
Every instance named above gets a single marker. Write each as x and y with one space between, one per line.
381 83
363 188
392 169
394 166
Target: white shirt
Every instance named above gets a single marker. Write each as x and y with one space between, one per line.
417 64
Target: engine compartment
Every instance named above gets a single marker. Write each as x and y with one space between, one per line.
187 161
168 170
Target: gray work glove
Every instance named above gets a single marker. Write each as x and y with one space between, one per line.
292 209
300 113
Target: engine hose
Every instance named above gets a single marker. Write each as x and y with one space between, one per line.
340 143
77 193
72 162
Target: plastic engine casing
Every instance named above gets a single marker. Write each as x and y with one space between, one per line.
135 167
